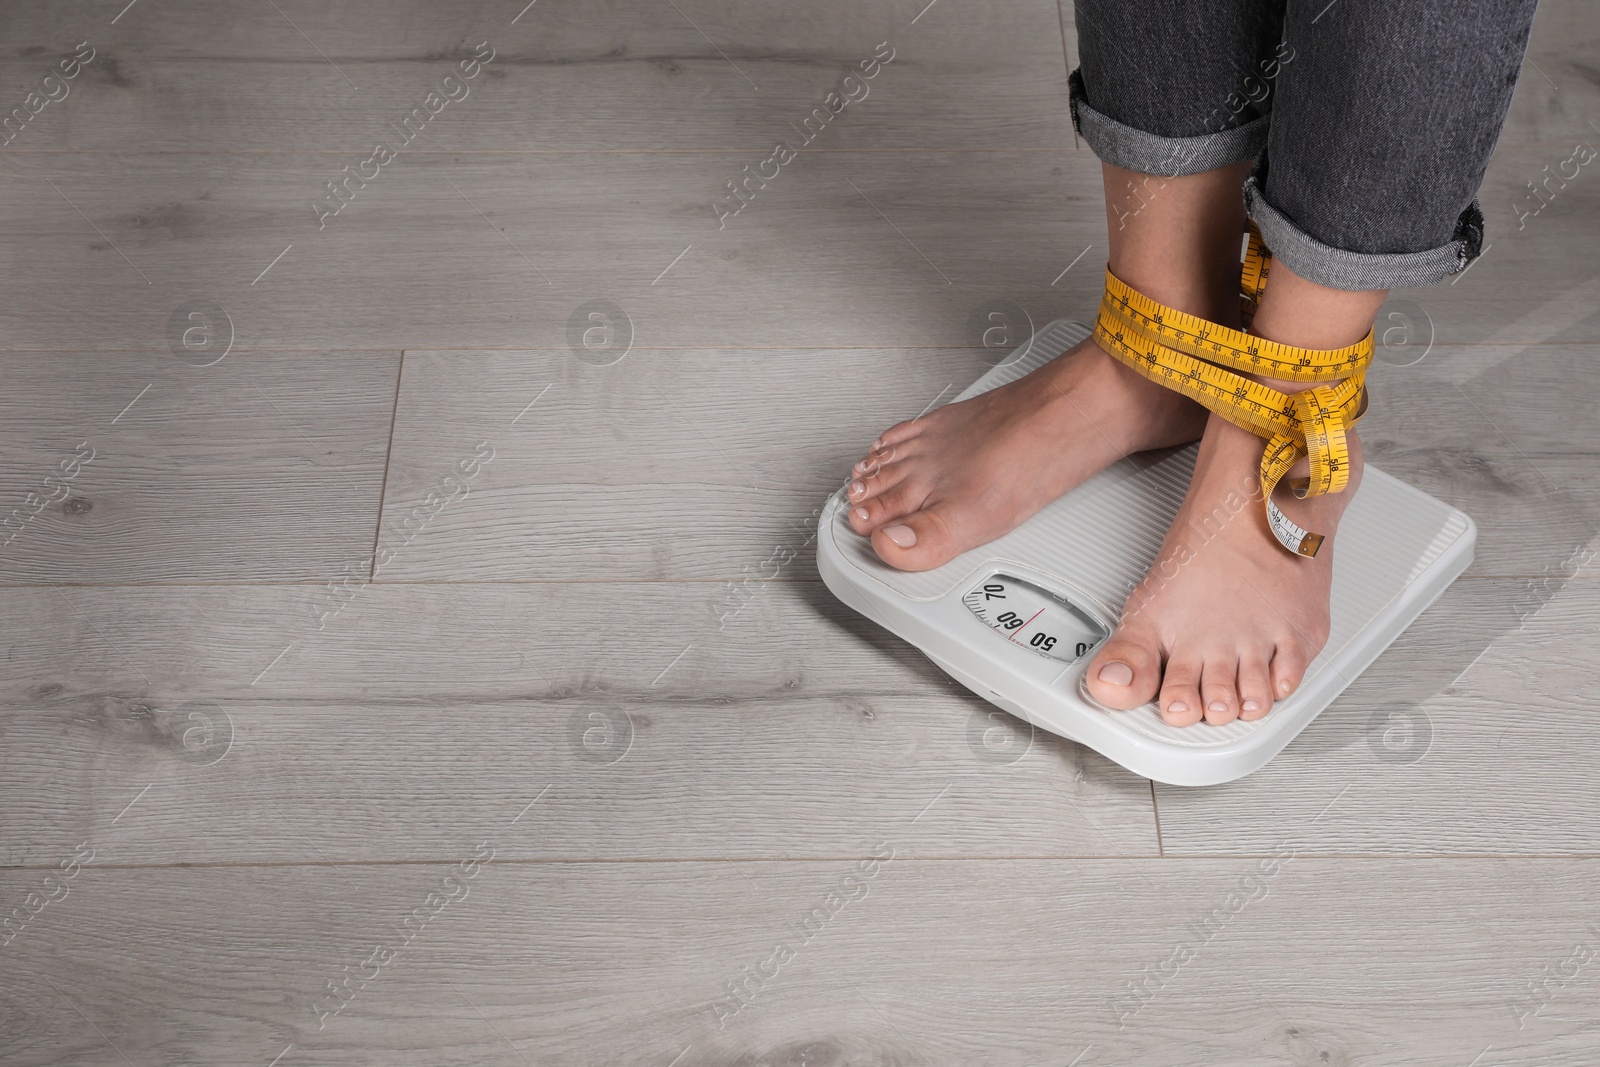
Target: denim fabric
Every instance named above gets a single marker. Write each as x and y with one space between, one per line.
1167 67
1371 122
1341 269
1134 149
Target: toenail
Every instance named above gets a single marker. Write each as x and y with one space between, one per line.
1115 673
861 514
1177 707
857 488
1217 706
1250 705
904 536
1284 686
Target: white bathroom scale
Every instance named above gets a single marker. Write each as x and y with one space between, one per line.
1018 620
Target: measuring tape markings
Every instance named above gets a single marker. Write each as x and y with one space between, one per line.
1193 355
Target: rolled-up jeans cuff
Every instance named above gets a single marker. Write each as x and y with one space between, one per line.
1355 271
1169 157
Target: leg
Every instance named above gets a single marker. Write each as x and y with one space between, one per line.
1227 621
1384 122
964 474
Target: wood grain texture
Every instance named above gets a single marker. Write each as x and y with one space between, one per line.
845 249
1467 736
263 466
664 465
420 709
417 711
1457 396
1243 961
597 78
215 70
602 652
1558 92
489 251
671 465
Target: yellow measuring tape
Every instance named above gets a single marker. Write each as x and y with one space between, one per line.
1192 355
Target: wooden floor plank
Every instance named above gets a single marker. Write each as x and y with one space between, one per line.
1465 737
1556 94
620 471
603 78
501 251
248 76
148 467
671 465
417 709
239 732
662 465
485 251
1285 958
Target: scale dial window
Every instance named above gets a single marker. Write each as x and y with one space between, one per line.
1029 617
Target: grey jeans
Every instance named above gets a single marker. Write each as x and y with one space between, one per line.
1370 121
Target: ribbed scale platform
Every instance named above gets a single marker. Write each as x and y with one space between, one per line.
1098 541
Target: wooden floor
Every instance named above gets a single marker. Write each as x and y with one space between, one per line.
552 779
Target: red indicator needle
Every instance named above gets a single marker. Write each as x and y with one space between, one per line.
1012 637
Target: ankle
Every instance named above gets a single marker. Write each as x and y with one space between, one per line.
1177 239
1294 311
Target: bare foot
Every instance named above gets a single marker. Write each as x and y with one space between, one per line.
967 473
1227 620
962 475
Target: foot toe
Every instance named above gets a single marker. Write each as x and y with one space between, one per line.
1126 672
912 540
1289 662
863 487
874 461
1180 692
1255 686
1219 688
891 502
868 478
898 433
